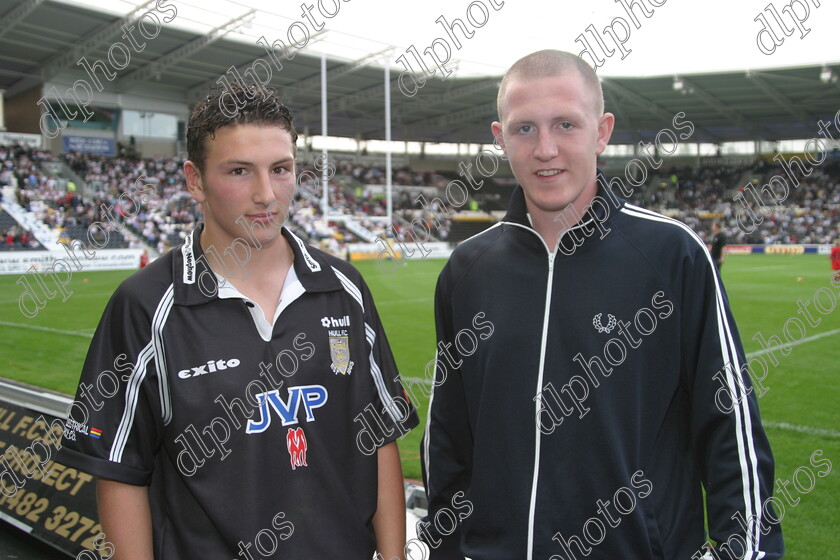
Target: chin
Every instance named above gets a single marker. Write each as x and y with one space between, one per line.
550 204
267 240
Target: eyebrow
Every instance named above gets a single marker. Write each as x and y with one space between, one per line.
564 117
251 163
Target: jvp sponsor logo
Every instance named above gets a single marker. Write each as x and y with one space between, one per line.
312 397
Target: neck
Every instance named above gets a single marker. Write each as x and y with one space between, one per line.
551 226
241 263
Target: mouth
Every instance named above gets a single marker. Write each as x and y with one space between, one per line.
263 217
548 172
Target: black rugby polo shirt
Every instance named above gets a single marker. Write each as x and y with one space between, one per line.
250 447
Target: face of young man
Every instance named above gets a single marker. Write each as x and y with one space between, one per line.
552 137
247 184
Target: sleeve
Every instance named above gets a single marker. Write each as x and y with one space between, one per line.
729 442
446 449
114 425
398 414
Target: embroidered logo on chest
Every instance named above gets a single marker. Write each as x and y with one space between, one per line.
611 321
339 340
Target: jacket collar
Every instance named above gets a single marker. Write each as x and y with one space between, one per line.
196 283
602 208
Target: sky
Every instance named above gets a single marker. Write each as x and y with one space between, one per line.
677 37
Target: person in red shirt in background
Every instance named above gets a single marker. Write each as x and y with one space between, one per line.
835 255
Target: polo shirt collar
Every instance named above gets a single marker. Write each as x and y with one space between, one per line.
312 268
195 282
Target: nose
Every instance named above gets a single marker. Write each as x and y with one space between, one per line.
546 148
263 193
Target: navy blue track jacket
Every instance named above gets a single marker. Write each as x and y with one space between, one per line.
610 391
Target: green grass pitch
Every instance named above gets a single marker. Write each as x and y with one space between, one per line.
799 407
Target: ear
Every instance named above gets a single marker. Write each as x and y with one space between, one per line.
194 184
605 130
498 137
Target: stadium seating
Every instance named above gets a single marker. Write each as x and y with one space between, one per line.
695 195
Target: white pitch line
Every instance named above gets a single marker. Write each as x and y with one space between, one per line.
769 267
45 329
780 346
802 429
766 423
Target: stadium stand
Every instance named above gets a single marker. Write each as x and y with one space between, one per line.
695 195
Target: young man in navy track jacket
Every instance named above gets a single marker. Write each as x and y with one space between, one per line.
614 390
243 356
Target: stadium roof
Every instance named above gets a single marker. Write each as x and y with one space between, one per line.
42 40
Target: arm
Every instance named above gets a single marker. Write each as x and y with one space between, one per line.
126 519
116 352
446 449
389 519
729 442
398 417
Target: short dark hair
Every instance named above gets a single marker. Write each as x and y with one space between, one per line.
237 104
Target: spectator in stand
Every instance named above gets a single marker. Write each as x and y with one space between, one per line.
810 214
718 245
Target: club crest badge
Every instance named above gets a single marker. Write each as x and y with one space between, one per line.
340 355
338 332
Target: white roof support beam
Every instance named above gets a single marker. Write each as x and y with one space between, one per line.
16 15
652 107
156 67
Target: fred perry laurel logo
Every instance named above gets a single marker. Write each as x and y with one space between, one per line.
596 322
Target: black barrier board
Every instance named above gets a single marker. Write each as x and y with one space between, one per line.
54 503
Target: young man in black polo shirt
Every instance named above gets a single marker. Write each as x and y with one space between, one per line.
246 363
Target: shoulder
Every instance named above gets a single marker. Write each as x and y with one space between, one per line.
147 286
314 260
335 273
474 247
336 264
474 258
139 302
657 230
663 246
